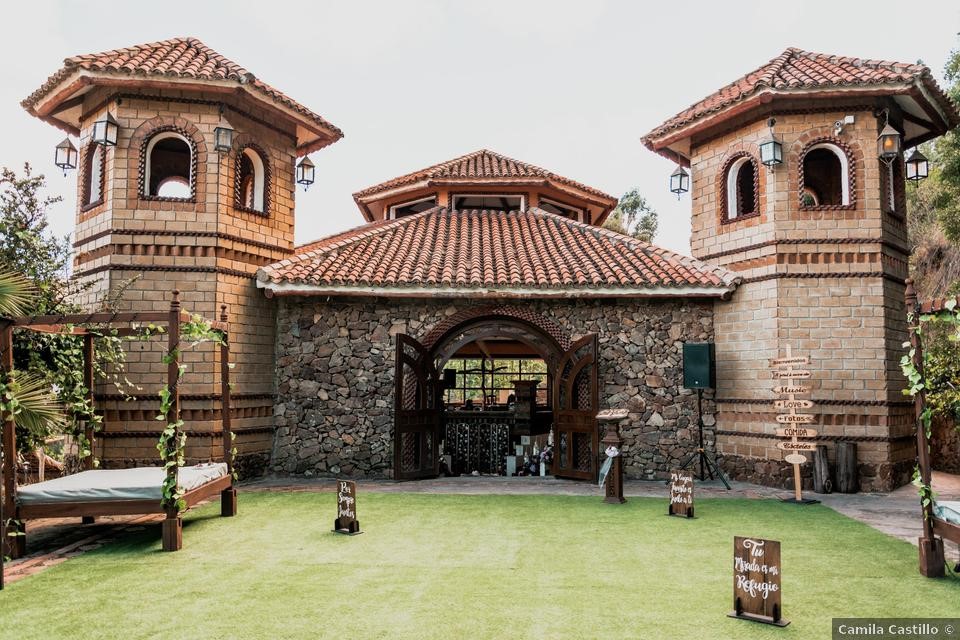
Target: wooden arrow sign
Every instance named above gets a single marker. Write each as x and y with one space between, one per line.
792 404
780 362
797 446
800 374
796 418
797 432
791 389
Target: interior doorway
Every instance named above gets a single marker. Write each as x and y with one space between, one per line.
496 391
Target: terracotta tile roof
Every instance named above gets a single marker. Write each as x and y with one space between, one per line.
494 254
795 69
481 165
177 57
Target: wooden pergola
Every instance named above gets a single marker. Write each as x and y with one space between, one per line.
121 324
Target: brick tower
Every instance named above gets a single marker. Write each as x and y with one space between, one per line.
169 206
819 238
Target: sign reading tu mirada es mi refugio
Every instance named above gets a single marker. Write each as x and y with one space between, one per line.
756 581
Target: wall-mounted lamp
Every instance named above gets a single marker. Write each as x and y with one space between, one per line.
223 135
679 181
65 156
771 151
105 131
888 142
918 167
305 173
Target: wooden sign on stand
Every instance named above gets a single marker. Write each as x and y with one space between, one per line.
795 424
346 521
681 494
756 581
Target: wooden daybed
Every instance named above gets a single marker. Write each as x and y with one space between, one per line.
935 529
112 492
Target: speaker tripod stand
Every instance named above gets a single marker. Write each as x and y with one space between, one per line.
708 465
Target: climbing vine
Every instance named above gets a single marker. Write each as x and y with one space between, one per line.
918 382
172 442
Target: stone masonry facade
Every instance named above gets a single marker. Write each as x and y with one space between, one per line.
828 280
335 371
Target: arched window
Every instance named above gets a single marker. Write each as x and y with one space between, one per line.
741 188
251 186
93 175
826 176
168 167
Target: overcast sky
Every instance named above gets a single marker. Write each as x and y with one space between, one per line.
570 86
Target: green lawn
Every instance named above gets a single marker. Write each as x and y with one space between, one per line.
458 567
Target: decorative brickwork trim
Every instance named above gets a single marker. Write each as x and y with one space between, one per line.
135 267
722 188
820 436
191 397
267 180
852 274
182 234
853 160
789 241
176 251
214 103
137 163
526 316
88 155
838 403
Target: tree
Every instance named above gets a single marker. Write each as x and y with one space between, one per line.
633 216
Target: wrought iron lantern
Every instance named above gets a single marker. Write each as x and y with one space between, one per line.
65 156
105 131
771 151
918 167
305 171
679 181
888 142
223 137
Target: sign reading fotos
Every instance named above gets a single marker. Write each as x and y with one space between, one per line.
681 494
756 581
346 521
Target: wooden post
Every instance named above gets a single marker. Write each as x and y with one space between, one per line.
88 364
173 524
932 558
847 476
13 541
228 497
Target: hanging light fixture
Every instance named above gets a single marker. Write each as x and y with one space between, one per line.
918 167
679 181
888 143
222 135
65 156
305 171
105 131
771 151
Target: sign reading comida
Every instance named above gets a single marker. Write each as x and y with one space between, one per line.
681 494
756 581
346 521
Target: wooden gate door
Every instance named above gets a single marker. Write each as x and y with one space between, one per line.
575 399
416 412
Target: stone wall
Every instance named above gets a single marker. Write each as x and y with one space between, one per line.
335 377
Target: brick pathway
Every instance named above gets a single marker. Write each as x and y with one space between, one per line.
896 513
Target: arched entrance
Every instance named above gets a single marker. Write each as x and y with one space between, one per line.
560 399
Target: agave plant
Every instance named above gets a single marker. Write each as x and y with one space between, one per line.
26 395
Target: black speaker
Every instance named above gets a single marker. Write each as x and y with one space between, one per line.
699 367
449 378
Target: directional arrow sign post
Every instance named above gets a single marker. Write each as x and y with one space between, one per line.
783 369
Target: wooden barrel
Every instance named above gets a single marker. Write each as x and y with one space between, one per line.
848 480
